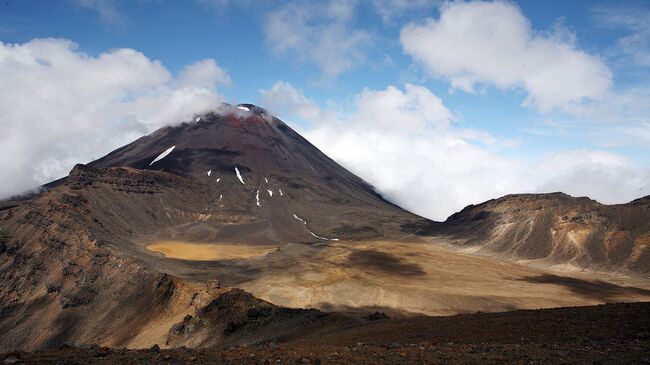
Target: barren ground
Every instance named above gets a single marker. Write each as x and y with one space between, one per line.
401 278
609 334
207 252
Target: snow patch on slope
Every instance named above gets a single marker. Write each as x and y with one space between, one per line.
239 175
257 198
162 155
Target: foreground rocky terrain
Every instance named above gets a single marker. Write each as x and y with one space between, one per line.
611 334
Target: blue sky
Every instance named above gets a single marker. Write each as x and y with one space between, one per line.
317 64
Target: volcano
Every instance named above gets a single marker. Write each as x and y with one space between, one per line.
221 230
257 181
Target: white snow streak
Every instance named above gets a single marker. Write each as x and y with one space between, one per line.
239 175
220 196
218 179
323 238
267 180
243 108
300 219
270 192
312 233
257 197
197 119
209 172
280 192
162 155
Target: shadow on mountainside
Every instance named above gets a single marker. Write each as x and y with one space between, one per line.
597 289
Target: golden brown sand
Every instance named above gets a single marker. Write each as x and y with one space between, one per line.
207 251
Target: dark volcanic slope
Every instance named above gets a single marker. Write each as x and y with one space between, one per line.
282 175
240 176
557 228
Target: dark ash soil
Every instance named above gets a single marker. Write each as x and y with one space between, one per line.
605 334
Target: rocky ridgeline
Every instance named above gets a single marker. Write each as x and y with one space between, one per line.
555 229
120 179
236 314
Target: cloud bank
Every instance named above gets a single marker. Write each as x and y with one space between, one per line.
492 43
60 106
412 148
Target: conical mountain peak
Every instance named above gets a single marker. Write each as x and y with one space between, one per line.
251 171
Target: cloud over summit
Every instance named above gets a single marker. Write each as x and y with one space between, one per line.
60 106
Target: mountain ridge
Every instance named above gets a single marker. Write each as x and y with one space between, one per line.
556 228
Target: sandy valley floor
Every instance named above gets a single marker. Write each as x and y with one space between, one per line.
400 278
207 251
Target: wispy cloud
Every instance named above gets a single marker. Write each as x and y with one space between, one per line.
220 7
106 10
622 119
285 99
390 10
319 33
634 20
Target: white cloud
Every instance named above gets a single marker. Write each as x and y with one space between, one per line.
320 33
407 144
403 142
284 99
493 43
59 106
204 73
391 9
413 109
106 10
610 178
